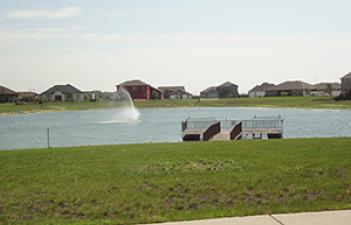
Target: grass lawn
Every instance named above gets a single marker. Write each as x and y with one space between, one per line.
295 102
129 184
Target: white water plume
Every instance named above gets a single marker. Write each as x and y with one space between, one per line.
127 113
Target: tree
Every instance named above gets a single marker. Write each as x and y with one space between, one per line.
154 95
328 89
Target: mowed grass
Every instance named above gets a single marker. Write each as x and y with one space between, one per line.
131 184
10 108
285 102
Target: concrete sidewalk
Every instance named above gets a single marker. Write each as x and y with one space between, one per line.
342 217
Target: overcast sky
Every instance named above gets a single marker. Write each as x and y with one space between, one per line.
197 43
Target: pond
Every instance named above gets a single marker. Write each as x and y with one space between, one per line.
101 127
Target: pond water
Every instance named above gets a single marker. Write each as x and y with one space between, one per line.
96 127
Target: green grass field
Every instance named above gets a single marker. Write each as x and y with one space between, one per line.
130 184
291 102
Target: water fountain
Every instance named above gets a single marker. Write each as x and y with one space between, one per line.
126 112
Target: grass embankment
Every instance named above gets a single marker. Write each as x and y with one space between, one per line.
128 184
9 108
284 102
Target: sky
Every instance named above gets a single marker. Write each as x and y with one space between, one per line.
95 45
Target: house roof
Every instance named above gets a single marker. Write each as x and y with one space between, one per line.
6 91
324 86
133 83
347 76
171 88
27 94
179 91
136 82
291 86
213 88
227 84
262 87
67 89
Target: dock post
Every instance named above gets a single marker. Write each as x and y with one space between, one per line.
48 137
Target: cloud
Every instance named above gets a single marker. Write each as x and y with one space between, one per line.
61 13
217 40
17 36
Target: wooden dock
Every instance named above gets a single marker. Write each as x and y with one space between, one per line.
210 129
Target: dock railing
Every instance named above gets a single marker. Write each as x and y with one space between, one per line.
200 128
264 125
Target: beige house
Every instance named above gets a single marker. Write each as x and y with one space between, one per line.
260 90
63 93
326 89
175 92
290 88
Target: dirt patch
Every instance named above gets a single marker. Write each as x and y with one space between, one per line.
195 165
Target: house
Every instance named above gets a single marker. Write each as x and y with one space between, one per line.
226 90
7 95
27 96
346 85
141 90
290 88
260 90
62 93
326 89
175 92
210 92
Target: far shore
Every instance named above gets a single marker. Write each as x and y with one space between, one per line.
269 102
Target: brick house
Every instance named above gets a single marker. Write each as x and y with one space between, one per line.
140 90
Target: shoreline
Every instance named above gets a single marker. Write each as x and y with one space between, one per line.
180 143
269 102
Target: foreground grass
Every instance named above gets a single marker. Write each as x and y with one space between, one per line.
129 184
287 102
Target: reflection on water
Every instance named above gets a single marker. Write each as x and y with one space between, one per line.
96 127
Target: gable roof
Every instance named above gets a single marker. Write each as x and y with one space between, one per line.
227 84
291 86
263 87
171 88
133 83
323 86
213 88
67 89
6 91
218 88
347 76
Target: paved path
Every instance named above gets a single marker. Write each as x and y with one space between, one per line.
342 217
